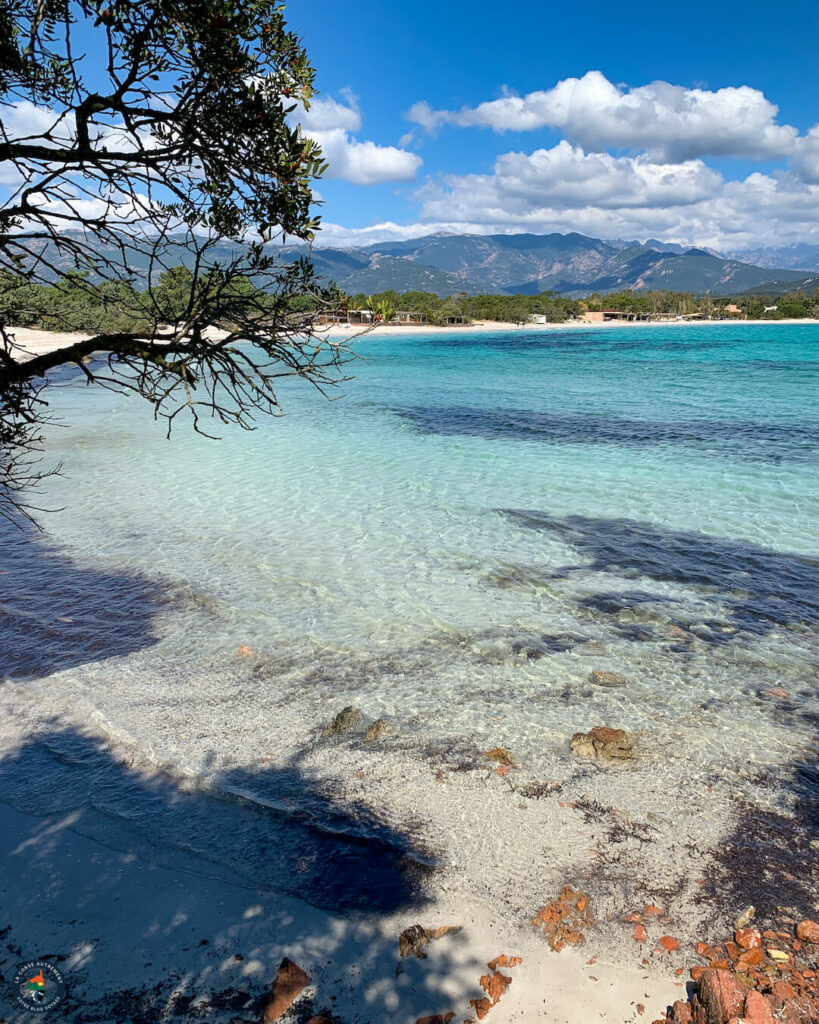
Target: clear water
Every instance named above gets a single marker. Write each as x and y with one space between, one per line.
476 524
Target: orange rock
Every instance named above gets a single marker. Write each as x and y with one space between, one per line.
720 965
769 935
650 910
515 961
732 949
499 961
495 984
680 1013
720 995
697 972
757 1009
748 938
808 931
634 918
639 933
503 770
668 944
481 1006
706 951
289 984
437 1018
750 958
245 652
782 990
640 1009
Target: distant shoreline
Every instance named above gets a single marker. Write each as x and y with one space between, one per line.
35 342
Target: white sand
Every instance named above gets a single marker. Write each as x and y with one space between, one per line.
117 922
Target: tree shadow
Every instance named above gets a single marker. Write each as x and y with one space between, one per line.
272 828
269 833
56 614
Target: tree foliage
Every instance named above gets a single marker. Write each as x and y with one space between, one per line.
128 131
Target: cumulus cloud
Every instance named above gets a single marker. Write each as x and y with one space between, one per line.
566 189
805 161
670 122
331 124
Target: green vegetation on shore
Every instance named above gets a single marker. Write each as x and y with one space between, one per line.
75 304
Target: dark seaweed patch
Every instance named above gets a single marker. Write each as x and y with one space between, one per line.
743 438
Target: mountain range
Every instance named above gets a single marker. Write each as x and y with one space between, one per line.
572 264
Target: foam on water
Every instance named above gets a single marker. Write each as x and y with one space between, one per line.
455 545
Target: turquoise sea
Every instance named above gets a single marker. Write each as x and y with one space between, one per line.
472 526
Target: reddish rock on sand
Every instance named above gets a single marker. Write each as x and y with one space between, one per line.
668 944
639 933
481 1006
808 931
720 995
757 1009
748 938
437 1018
290 982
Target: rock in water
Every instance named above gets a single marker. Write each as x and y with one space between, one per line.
345 720
290 982
501 756
608 679
608 746
375 730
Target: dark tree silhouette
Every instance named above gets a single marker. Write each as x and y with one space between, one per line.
137 137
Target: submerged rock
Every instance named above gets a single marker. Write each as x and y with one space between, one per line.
608 678
500 755
375 730
603 744
345 721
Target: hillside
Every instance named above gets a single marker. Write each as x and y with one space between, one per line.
572 264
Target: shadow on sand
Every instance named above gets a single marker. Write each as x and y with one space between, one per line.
253 835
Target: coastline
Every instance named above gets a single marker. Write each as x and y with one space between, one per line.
36 342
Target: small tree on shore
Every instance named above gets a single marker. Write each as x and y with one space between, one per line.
135 137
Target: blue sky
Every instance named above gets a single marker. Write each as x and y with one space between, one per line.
705 158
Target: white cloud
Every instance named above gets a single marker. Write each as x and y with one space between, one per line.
330 123
806 159
364 163
671 122
565 189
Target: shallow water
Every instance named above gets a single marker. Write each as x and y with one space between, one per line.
454 545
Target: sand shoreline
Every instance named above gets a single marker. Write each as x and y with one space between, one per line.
34 342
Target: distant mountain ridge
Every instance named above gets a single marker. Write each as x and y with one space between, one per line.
572 264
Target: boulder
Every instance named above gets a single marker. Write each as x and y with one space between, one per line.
603 744
608 679
345 721
808 931
288 985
